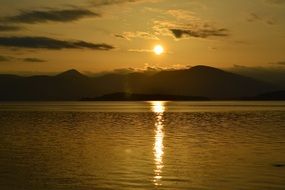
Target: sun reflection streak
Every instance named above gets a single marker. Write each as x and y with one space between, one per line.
158 108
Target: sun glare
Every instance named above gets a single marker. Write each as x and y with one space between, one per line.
158 49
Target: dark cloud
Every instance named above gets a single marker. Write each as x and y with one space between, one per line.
50 15
28 59
200 33
50 43
33 60
137 34
121 36
9 28
109 2
254 17
114 2
195 29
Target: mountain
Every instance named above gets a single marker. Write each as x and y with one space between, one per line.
276 95
72 73
70 85
272 74
199 81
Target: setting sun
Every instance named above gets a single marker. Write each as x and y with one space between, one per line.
158 50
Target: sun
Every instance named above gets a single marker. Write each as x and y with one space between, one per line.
158 49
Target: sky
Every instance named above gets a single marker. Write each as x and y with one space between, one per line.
102 35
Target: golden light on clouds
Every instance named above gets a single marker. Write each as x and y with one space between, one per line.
158 49
116 35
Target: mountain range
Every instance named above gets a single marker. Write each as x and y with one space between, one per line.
198 81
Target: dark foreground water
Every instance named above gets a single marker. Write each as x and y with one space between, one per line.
142 145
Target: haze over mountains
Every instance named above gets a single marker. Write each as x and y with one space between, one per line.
274 74
198 81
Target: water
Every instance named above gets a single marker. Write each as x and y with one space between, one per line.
142 145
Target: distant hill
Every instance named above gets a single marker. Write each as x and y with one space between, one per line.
272 74
199 81
276 95
122 96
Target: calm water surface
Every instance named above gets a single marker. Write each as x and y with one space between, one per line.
142 145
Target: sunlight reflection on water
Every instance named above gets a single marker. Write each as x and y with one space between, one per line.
142 145
158 108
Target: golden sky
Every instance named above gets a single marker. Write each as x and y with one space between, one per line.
102 35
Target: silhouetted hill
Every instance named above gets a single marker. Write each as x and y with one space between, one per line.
272 74
122 96
65 86
199 81
276 95
72 73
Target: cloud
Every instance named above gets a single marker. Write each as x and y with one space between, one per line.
181 14
121 36
50 43
199 33
254 17
186 25
280 63
50 15
33 60
9 28
111 2
178 14
148 68
141 50
117 2
28 59
196 30
138 34
275 2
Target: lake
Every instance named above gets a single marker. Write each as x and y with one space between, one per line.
142 145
